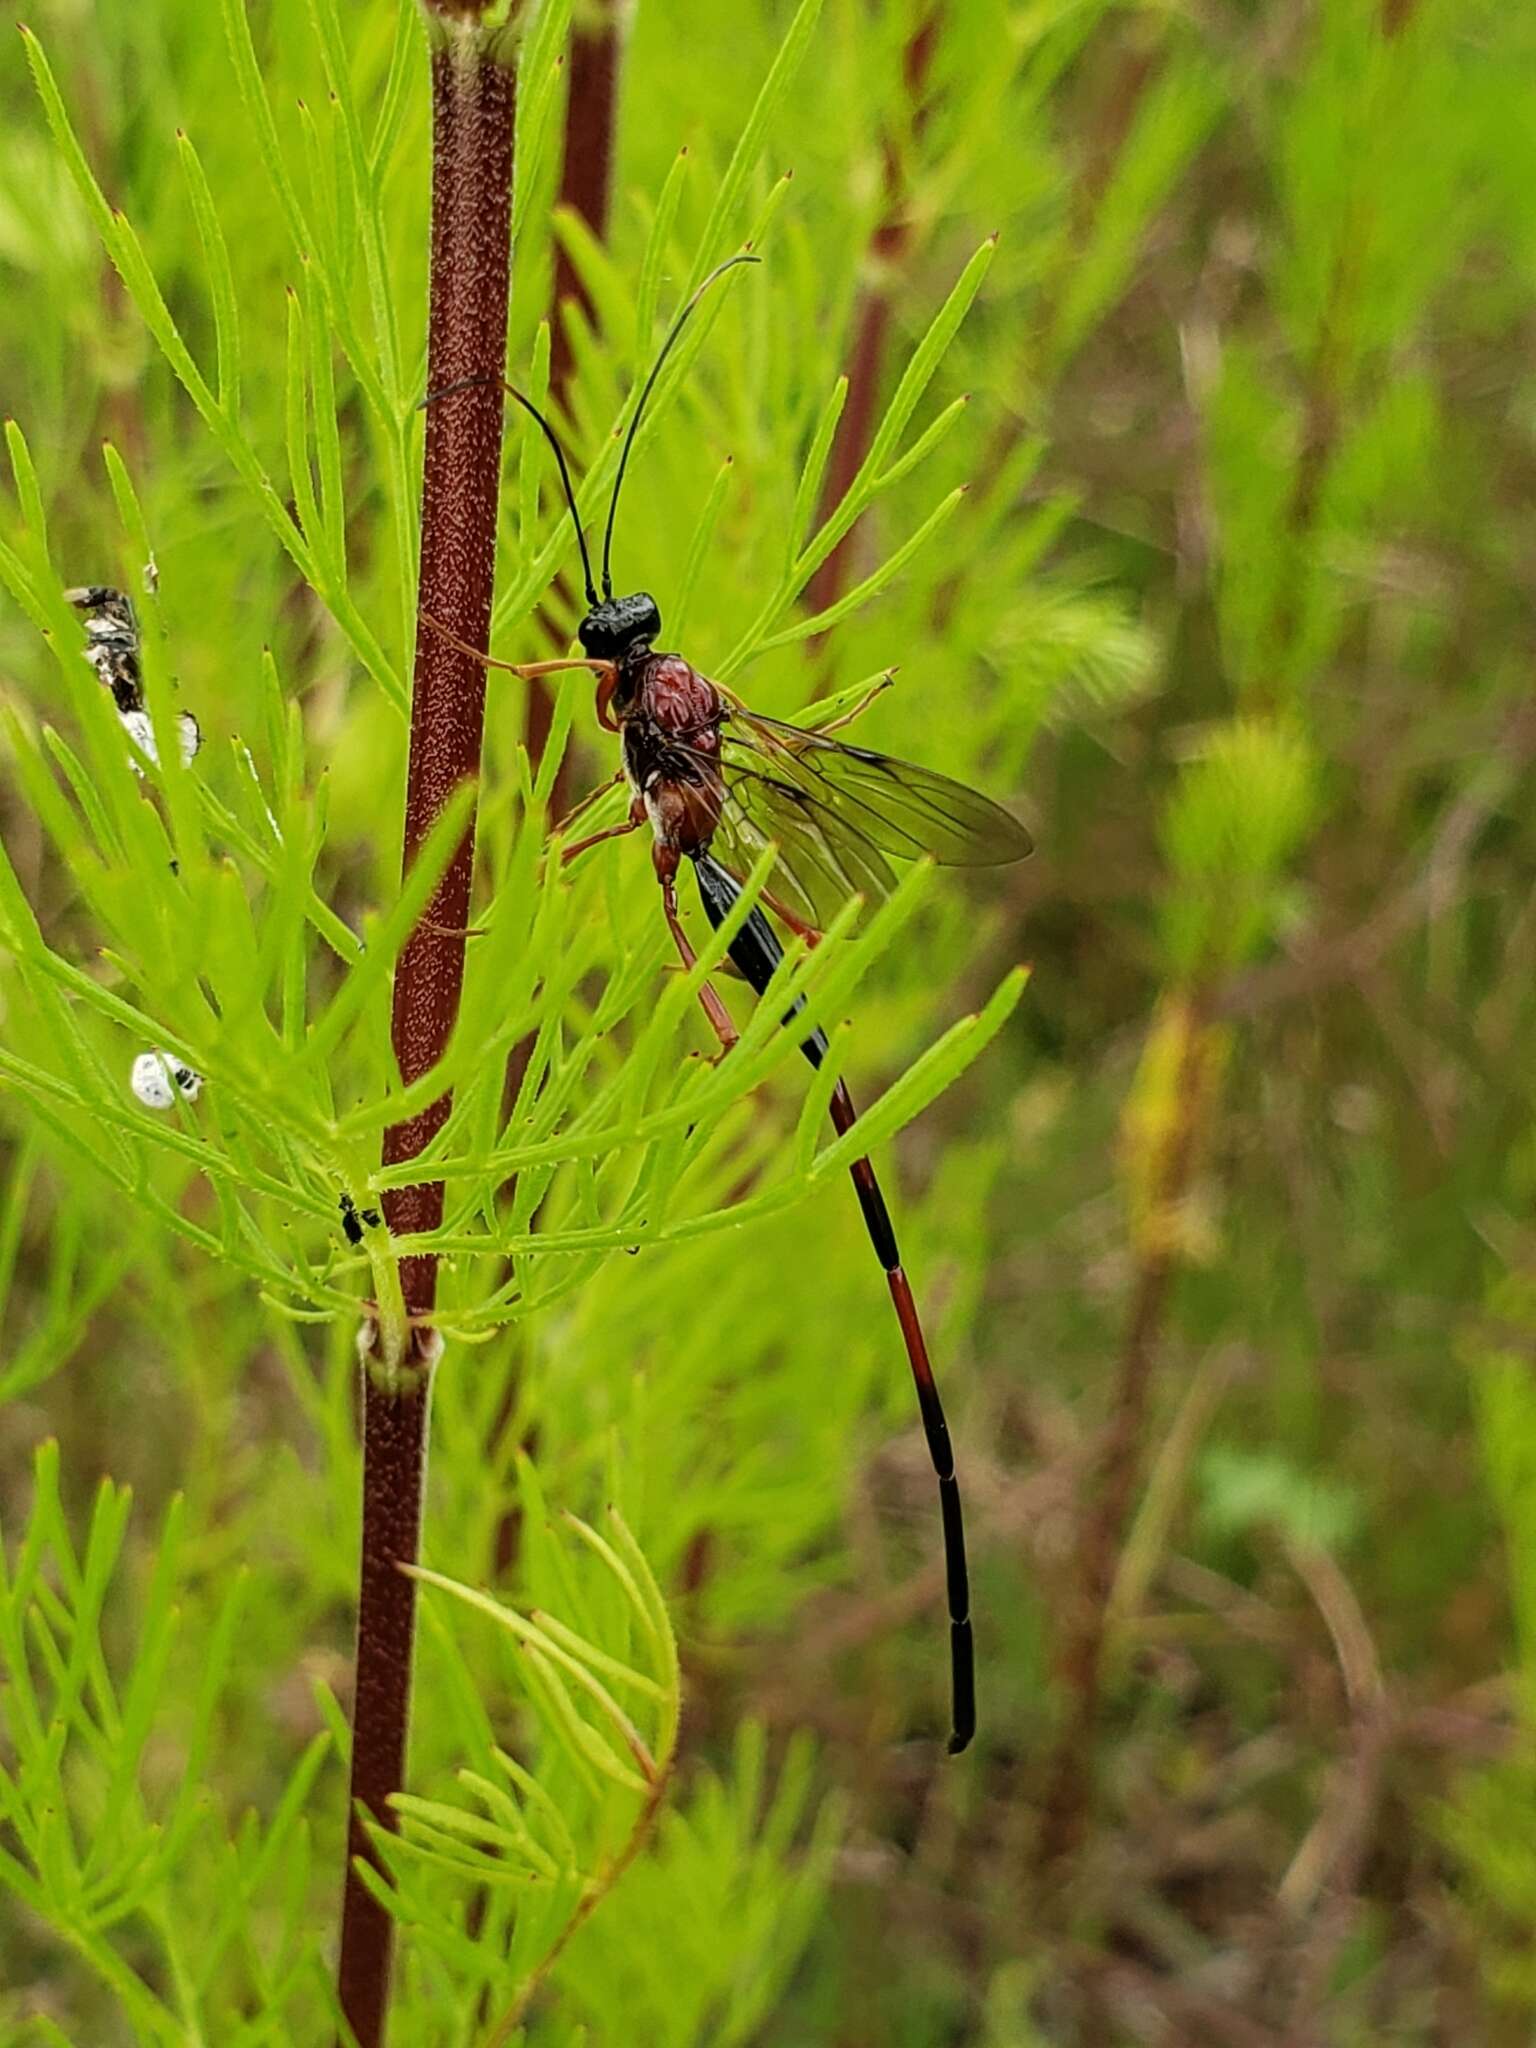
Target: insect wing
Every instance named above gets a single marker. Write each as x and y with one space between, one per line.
822 858
894 807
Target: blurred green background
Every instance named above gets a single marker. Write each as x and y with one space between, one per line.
1224 1243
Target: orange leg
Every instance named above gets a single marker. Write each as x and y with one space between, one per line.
588 801
607 684
798 926
719 1016
525 669
630 824
857 710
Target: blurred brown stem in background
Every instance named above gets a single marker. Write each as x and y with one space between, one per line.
1161 1235
586 175
586 188
1111 1491
889 244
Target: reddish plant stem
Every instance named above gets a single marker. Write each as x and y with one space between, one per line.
473 106
888 245
394 1458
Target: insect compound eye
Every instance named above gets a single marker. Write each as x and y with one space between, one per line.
618 624
158 1077
638 617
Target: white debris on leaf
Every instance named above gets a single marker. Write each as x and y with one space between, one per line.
141 731
158 1077
112 649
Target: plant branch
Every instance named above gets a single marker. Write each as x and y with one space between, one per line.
593 1896
473 97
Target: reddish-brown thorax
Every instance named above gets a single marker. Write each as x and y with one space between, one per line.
669 717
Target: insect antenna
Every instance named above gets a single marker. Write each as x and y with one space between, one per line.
553 439
649 386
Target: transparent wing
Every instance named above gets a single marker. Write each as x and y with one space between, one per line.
821 861
895 805
836 812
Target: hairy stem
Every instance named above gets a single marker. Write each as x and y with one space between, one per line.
472 123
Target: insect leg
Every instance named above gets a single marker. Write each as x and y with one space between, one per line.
526 669
569 853
718 1015
856 710
882 1235
589 800
606 686
529 669
797 925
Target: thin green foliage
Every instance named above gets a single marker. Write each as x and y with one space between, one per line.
676 1328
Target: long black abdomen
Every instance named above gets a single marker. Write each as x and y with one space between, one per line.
756 952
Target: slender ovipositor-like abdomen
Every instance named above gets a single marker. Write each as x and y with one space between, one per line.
755 950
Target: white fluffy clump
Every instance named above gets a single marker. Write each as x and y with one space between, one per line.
139 729
159 1077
